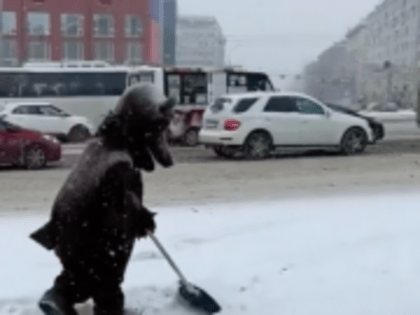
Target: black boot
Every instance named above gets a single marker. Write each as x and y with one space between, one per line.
52 303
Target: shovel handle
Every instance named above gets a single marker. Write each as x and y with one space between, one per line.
168 258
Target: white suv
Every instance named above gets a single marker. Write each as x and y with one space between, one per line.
49 119
257 123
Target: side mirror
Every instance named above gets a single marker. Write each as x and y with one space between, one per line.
328 114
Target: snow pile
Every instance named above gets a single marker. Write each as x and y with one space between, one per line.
314 256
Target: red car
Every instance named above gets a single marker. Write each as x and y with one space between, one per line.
28 148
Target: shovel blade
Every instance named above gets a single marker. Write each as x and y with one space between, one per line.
198 298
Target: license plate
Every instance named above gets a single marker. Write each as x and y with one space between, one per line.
211 124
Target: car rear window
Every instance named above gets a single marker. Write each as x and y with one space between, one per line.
220 104
243 105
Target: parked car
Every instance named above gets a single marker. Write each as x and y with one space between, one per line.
48 119
28 148
257 123
376 126
388 112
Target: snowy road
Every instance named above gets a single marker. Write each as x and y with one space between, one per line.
400 137
344 255
235 181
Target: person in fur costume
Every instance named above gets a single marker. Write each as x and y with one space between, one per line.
99 213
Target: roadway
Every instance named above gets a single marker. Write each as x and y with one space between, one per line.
402 137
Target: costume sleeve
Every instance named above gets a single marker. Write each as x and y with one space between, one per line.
133 203
123 199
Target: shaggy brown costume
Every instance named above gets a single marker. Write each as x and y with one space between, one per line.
99 211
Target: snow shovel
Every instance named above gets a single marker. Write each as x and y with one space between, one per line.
193 295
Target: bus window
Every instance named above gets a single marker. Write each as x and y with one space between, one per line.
73 84
9 85
114 83
173 87
148 77
259 82
89 84
237 83
248 82
141 77
134 79
195 89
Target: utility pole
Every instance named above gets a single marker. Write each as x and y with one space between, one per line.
418 93
388 68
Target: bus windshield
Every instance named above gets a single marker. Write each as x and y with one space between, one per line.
187 88
242 82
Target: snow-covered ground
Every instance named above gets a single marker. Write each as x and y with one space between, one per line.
342 255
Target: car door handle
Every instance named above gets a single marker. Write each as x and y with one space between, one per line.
305 122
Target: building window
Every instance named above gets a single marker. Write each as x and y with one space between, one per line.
104 51
133 26
72 25
8 49
134 52
8 23
39 24
39 50
72 50
103 25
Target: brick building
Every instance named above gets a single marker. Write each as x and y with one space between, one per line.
117 31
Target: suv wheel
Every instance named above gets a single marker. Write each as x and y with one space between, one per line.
35 158
354 141
258 145
78 133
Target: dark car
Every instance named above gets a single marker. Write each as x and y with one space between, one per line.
377 127
28 148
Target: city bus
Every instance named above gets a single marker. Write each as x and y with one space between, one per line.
196 88
89 89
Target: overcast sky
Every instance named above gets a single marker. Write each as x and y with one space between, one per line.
276 35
